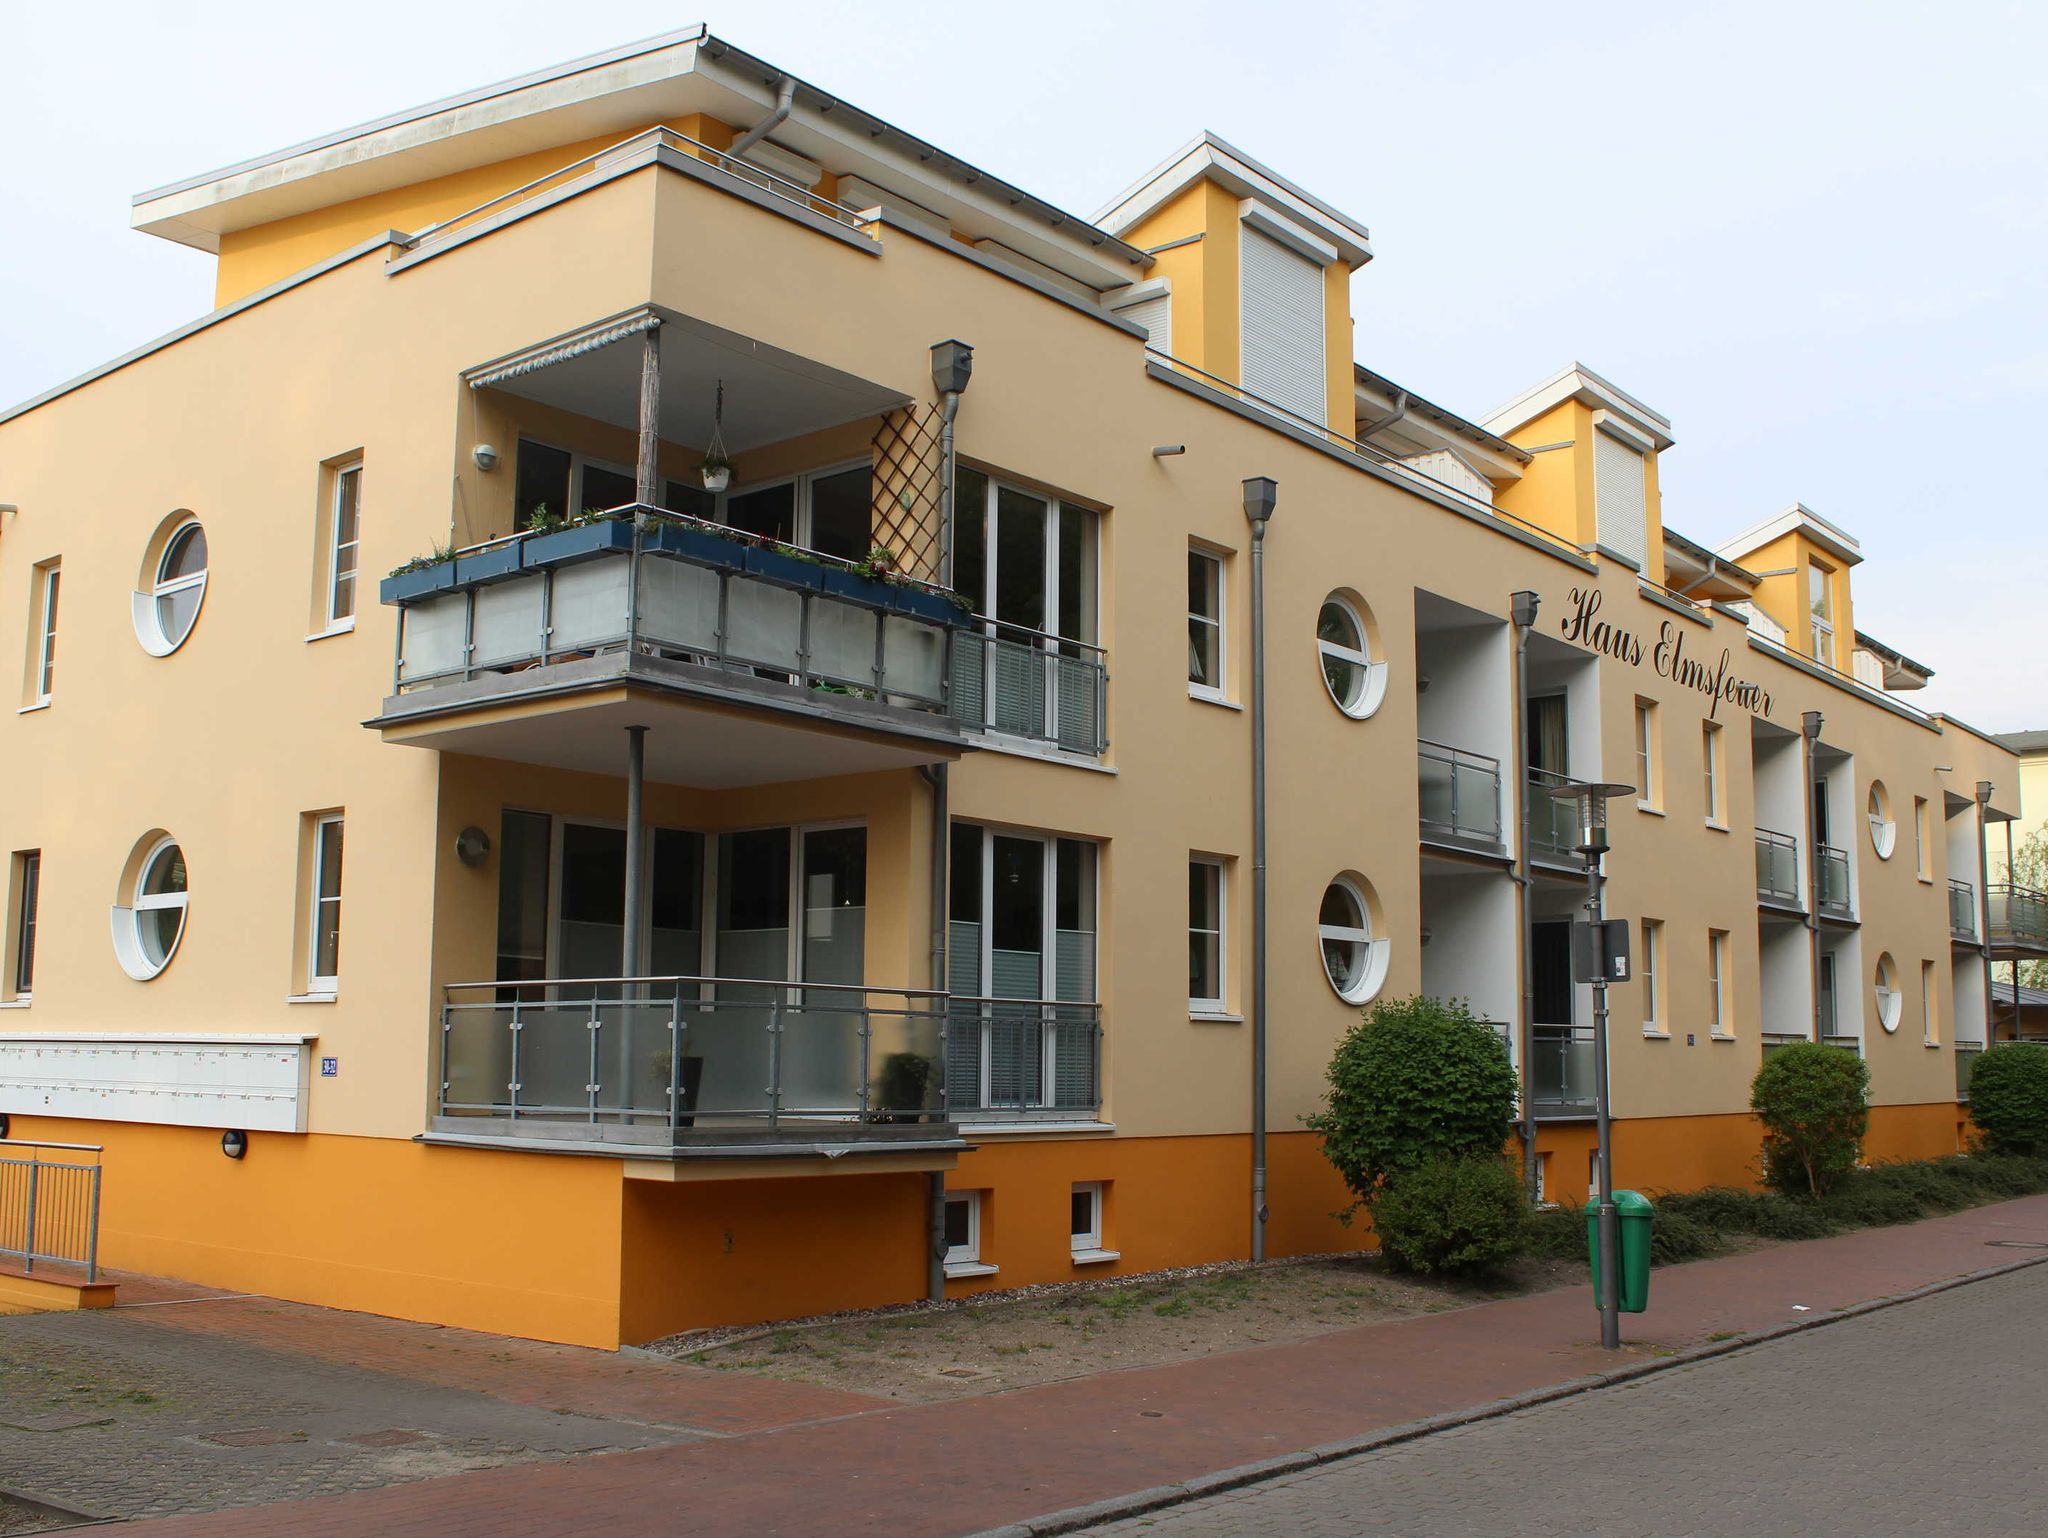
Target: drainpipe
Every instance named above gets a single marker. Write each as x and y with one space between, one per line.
1713 570
1260 494
785 98
952 367
636 851
1810 723
1522 607
1381 424
1984 901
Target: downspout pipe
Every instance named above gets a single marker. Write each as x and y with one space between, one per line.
1984 788
1810 724
1522 608
785 99
1381 424
952 368
1260 494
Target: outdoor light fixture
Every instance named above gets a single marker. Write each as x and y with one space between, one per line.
1590 802
234 1143
6 1126
952 366
472 846
485 455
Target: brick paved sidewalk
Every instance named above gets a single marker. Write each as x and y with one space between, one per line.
941 1470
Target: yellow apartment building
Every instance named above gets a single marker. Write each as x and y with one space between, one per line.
740 862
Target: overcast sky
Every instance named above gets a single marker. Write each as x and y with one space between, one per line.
1811 235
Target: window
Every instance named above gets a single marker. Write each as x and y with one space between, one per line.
1710 753
1205 936
1281 326
1890 1003
1717 982
42 662
151 920
1085 1223
1921 867
559 483
1650 968
1621 495
1884 834
824 510
963 1235
1029 667
1646 755
323 960
344 529
1930 1032
1353 960
1354 680
28 882
1205 625
165 614
1821 612
1827 994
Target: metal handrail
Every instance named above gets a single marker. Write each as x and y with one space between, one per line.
50 1208
1558 836
1837 675
1037 1059
1962 908
689 977
2017 911
1037 635
1429 751
1830 860
1770 846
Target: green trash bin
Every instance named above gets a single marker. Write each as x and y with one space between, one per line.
1633 1216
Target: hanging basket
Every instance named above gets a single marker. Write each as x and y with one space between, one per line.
717 468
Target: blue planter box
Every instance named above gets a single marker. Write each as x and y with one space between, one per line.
492 565
923 604
569 545
699 545
438 578
773 566
855 588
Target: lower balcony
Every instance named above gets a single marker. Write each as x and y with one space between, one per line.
1017 682
1962 911
1552 826
1967 1054
2019 918
1459 793
1833 866
1561 1071
1777 869
1036 1060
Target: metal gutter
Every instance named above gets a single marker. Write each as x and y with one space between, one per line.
1492 443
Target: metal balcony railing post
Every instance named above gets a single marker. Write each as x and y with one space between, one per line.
92 1232
675 1060
469 635
547 615
512 1084
774 1062
594 1029
866 1035
29 1242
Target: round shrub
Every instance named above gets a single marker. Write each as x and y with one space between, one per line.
1454 1215
1416 1080
1814 1102
2009 1098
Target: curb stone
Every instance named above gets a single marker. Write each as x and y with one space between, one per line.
1118 1508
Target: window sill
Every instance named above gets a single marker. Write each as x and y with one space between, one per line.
956 1269
346 627
310 998
1925 880
25 710
1095 1257
1214 1017
1654 1033
1654 811
1212 699
1038 1128
1024 747
1718 827
1720 1036
15 1003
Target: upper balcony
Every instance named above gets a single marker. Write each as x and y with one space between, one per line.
1836 900
1777 869
1962 911
2019 919
1460 798
1552 825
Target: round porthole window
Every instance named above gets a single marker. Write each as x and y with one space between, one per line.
1889 1004
174 578
149 920
1343 641
1353 959
1884 833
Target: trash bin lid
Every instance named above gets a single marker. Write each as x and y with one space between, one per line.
1632 1202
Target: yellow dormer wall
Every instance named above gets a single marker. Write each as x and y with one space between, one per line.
1783 596
1556 489
257 257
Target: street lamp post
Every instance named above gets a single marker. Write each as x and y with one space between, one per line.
1590 802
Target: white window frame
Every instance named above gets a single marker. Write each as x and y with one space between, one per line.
1891 1001
336 546
1829 1008
1218 627
1711 748
21 951
318 982
1372 686
49 590
127 920
1929 1034
149 628
1821 615
965 1259
1654 1023
1087 1248
1214 1006
801 526
1717 983
1373 970
1884 829
1921 867
1646 754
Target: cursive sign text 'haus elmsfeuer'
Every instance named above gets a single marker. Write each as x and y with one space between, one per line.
1668 655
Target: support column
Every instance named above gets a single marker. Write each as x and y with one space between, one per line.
636 848
647 468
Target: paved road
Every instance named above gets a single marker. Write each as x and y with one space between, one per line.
1925 1418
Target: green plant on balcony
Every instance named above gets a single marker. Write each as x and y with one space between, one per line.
434 557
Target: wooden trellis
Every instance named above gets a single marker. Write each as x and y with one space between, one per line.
907 490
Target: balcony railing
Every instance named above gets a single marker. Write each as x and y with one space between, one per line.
1561 1070
1962 910
1777 868
1552 826
1032 1058
50 1205
1846 1043
1025 683
691 1059
1773 1040
1966 1064
655 584
1460 795
1833 864
2019 915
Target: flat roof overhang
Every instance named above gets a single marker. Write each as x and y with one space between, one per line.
708 728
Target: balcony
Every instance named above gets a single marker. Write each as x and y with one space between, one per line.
1561 1078
770 663
1024 683
1023 1059
1962 911
1773 1040
1833 865
1777 869
1552 826
2019 917
1460 798
667 1066
1966 1064
1844 1043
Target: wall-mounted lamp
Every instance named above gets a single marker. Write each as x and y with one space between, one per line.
485 455
1168 450
472 847
6 1126
234 1143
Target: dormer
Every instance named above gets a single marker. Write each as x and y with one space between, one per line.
1802 563
1592 475
1251 278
